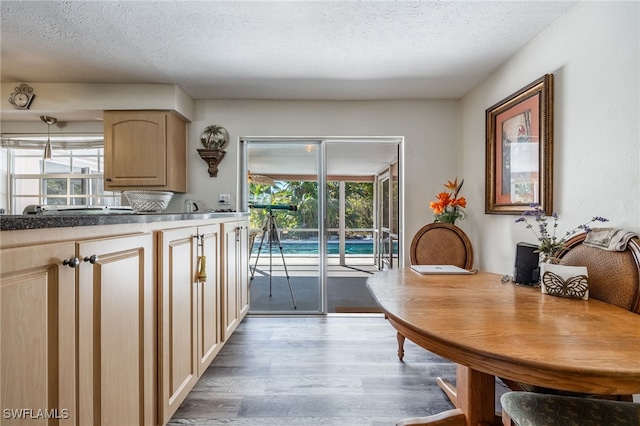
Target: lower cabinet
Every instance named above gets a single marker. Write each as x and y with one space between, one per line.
235 275
116 332
209 299
38 333
77 332
189 303
242 263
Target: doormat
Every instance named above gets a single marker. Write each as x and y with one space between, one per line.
357 309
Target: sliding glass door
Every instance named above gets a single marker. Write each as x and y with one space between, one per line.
318 226
287 229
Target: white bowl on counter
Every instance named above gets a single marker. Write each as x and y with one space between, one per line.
148 201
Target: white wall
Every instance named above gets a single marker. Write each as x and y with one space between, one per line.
593 53
430 129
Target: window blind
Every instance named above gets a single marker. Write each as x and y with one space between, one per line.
58 141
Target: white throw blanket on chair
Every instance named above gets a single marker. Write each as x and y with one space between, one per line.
610 239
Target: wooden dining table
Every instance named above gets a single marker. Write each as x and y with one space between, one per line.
494 328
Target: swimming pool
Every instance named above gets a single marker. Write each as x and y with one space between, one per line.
310 247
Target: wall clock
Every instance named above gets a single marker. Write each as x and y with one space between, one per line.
22 97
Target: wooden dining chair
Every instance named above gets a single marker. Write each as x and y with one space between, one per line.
439 244
454 417
614 278
536 409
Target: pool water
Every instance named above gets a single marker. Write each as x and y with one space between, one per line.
310 247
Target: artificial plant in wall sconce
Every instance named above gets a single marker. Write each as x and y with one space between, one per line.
213 138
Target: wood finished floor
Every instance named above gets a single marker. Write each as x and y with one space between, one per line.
335 370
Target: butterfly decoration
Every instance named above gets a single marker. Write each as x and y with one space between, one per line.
574 287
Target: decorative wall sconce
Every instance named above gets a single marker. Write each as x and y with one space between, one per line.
213 138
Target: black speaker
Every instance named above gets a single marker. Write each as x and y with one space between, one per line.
527 270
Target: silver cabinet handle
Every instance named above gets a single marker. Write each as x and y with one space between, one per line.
91 259
72 263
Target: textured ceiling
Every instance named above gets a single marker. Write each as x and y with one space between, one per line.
270 49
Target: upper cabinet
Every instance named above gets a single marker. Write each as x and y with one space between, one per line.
144 150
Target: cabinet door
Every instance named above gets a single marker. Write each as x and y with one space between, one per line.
116 332
135 149
243 268
178 317
230 308
235 282
209 336
145 149
37 333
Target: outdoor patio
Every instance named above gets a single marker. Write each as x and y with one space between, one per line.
346 285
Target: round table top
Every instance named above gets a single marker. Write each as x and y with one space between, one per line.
515 332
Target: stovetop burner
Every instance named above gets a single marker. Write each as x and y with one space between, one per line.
223 211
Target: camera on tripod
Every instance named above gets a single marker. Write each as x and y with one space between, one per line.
270 207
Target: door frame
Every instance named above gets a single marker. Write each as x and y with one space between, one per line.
243 190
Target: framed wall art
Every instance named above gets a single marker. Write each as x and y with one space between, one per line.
519 150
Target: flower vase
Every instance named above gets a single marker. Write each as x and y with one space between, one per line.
445 219
549 258
449 216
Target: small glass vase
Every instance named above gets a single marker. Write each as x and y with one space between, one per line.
445 219
448 216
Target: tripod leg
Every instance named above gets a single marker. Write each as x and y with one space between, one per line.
270 263
253 271
288 281
274 231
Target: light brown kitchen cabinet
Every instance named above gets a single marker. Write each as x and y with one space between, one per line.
112 325
78 331
38 334
116 331
144 150
209 297
189 314
243 256
235 273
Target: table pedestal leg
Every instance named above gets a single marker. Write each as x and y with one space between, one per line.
476 396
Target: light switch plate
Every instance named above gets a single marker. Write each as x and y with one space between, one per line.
225 198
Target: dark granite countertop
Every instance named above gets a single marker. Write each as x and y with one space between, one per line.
40 221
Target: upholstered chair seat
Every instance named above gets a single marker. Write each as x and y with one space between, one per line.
534 409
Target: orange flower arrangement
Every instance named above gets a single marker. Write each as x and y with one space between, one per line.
447 208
